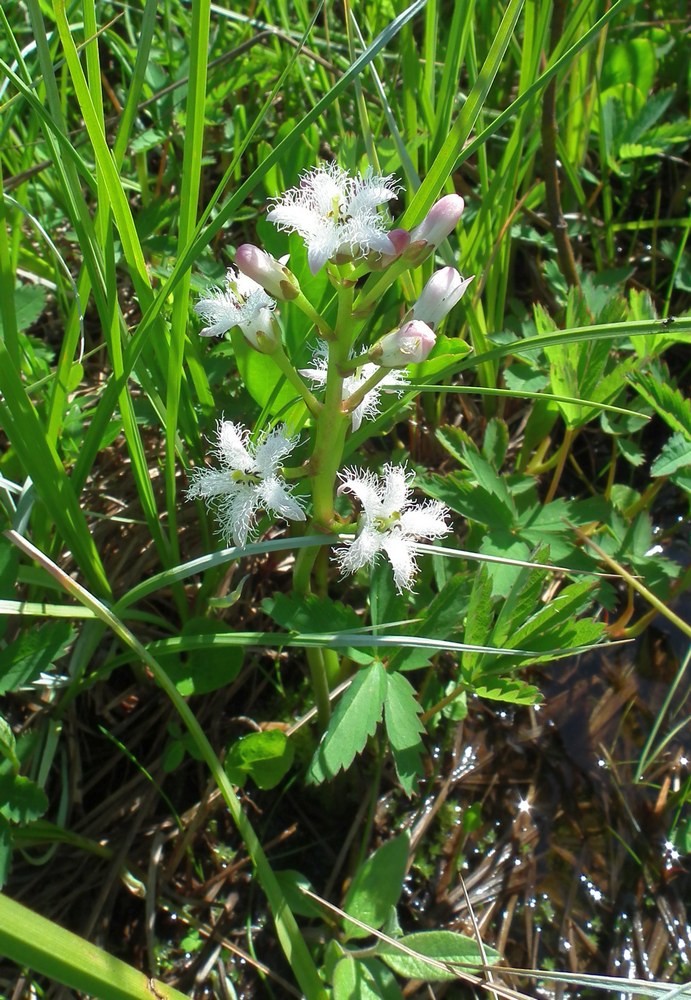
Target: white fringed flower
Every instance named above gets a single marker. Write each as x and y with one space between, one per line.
335 213
390 522
394 381
241 303
247 480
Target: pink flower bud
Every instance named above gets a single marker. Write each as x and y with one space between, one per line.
399 241
439 221
262 332
276 279
408 345
440 295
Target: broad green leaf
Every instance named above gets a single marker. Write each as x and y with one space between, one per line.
265 757
443 946
403 727
386 604
377 885
444 354
354 979
441 620
267 385
31 653
8 744
208 669
311 613
21 799
355 719
29 302
676 454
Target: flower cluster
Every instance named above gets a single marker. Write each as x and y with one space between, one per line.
344 223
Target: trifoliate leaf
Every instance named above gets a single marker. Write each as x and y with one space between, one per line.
403 727
355 719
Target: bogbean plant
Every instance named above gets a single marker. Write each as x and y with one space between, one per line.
346 232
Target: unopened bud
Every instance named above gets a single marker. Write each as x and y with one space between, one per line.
441 220
262 332
275 278
409 345
440 295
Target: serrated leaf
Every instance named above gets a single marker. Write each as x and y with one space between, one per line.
444 946
357 715
496 442
404 728
377 885
21 799
265 757
509 689
668 402
454 439
478 618
631 451
31 653
676 454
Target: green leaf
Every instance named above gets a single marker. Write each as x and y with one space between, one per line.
478 618
8 744
444 946
441 620
509 689
29 302
496 442
31 653
445 352
266 757
668 402
355 719
377 886
291 883
205 669
403 727
354 979
21 799
676 454
311 613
